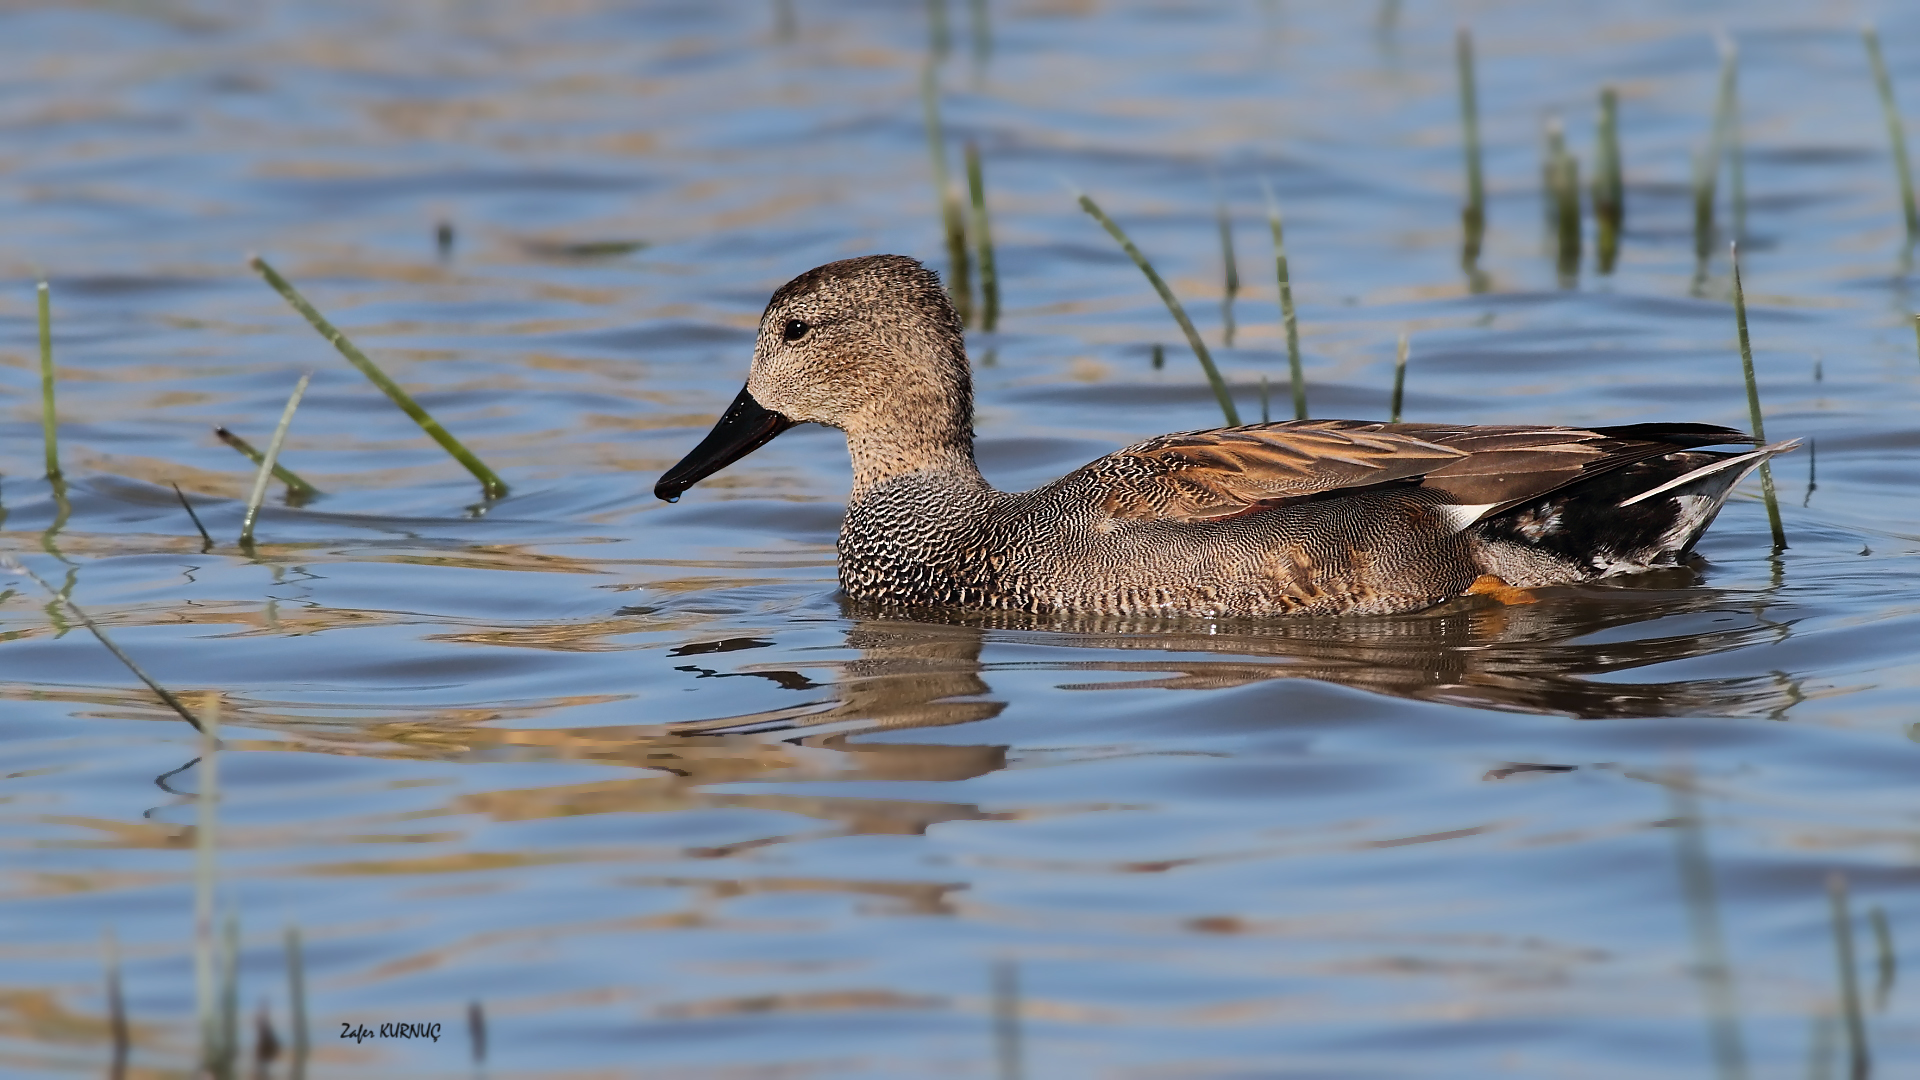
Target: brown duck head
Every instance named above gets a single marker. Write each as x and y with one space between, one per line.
870 346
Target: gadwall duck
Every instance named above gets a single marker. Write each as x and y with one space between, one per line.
1314 517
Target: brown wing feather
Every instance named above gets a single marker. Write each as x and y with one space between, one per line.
1227 472
1207 475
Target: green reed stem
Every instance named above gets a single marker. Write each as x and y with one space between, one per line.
1287 316
1859 1058
1266 417
1232 268
297 488
229 992
952 218
1474 215
1179 313
785 26
983 237
48 425
490 485
1609 185
1896 129
13 565
1703 917
116 1010
265 470
204 535
1730 137
1889 964
1006 1020
1399 379
982 33
1753 402
1562 184
1159 356
1706 165
205 843
939 36
477 1031
297 1002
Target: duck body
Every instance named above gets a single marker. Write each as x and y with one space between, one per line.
1315 517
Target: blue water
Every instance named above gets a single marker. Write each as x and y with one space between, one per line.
633 776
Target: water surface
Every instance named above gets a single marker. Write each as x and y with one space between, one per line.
636 777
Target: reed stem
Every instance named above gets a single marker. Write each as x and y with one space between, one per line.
116 1010
1562 183
983 238
939 35
1609 186
1889 964
1006 1020
1896 129
265 471
298 490
1179 313
1730 135
477 1031
48 425
1860 1060
1294 370
204 535
1399 378
1703 916
1232 269
1266 417
1753 402
953 221
982 34
229 993
491 486
13 565
205 841
297 1002
1474 216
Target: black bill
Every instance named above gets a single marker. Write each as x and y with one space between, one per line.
743 428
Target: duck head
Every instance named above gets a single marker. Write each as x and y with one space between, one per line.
870 346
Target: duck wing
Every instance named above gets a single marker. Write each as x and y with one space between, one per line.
1503 467
1227 472
1483 470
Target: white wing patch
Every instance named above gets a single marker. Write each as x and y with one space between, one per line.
1459 517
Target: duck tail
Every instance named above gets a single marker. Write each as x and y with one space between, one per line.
1696 495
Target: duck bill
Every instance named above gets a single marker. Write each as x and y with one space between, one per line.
746 426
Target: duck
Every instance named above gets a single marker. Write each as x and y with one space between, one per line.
1301 517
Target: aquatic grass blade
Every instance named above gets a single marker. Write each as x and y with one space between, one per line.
1399 378
116 1010
952 219
1179 313
1609 185
983 241
1703 919
490 485
1474 215
1730 139
1008 1052
1859 1058
1232 270
265 471
1896 129
1888 964
1753 402
13 565
188 507
205 842
1295 370
48 424
298 490
296 1002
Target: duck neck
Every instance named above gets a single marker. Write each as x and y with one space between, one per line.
884 455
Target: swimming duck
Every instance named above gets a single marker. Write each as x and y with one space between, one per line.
1305 517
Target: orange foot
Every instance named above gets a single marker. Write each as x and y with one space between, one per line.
1492 585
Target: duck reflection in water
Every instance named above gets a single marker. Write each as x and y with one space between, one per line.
1569 654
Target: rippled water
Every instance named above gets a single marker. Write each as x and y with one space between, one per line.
636 778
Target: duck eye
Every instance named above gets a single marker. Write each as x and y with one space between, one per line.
794 330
